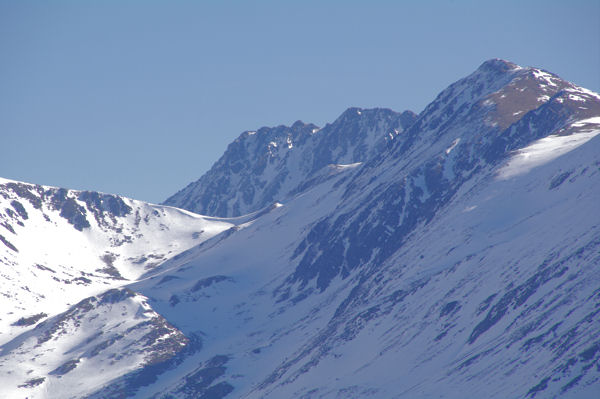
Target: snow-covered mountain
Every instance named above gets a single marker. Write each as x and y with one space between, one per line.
60 246
451 254
274 164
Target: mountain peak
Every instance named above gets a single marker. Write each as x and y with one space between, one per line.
273 163
352 111
299 125
357 112
373 115
498 65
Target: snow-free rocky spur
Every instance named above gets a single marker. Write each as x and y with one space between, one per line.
454 253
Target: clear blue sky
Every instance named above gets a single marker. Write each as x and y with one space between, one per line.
139 98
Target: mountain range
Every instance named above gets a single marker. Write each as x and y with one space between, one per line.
447 254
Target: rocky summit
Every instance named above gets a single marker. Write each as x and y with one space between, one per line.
454 253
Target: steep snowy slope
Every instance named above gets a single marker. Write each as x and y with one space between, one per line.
97 340
273 164
450 254
494 297
462 260
59 246
455 140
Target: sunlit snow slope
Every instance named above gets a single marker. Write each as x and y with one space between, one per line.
497 296
59 246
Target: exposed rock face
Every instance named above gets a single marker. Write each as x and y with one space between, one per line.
273 164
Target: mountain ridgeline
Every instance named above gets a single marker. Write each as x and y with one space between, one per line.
271 164
448 254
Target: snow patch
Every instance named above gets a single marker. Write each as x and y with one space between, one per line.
454 144
590 121
346 166
543 98
582 90
544 76
576 98
543 151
